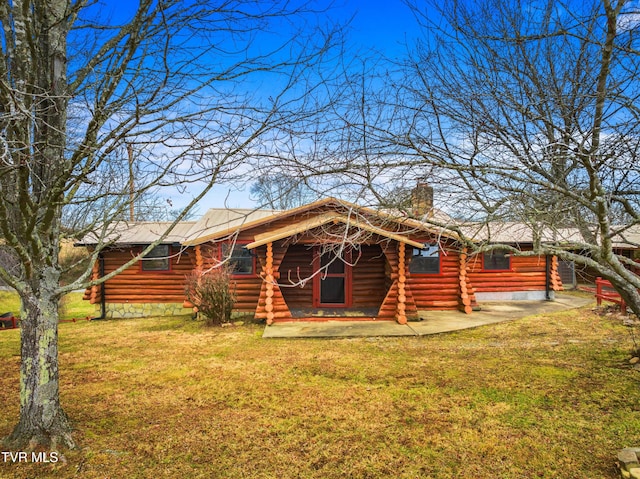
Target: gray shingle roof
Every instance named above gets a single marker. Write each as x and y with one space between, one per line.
217 223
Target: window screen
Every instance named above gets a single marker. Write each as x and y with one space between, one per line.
240 258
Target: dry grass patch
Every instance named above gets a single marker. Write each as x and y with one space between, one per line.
545 397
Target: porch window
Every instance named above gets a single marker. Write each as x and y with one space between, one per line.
239 257
425 260
157 259
496 260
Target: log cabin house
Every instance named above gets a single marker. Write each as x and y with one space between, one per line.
328 259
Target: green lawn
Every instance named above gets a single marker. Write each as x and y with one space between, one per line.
72 306
550 396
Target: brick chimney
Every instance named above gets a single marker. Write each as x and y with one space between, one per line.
422 200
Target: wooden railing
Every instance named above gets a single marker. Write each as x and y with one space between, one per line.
8 321
606 292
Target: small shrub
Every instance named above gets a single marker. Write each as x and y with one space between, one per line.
213 294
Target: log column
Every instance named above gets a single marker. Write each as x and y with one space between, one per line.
387 308
268 278
554 275
94 295
272 305
401 306
398 303
464 297
199 260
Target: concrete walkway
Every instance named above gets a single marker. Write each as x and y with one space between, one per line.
434 321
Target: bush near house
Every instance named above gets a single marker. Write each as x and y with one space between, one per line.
212 293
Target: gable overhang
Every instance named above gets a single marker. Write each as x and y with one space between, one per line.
244 225
341 208
321 220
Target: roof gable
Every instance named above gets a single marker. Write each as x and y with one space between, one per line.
323 219
220 223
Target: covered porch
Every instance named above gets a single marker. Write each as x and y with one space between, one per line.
332 267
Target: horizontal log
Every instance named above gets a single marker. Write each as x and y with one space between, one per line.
448 300
433 279
145 299
373 277
510 284
510 289
435 293
443 304
144 287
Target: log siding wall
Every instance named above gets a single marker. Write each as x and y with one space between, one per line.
438 291
136 286
246 286
375 276
527 273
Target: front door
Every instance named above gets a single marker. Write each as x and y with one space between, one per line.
332 279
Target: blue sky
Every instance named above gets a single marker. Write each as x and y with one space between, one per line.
379 25
376 25
383 25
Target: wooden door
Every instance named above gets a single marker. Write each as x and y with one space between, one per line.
332 279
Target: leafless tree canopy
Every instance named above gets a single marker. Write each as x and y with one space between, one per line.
514 111
195 88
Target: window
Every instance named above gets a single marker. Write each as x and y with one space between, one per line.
157 259
496 260
240 258
425 260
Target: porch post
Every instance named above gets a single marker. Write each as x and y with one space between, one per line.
271 304
199 260
95 274
401 311
268 270
465 298
556 280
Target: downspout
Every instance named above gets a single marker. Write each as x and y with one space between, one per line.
547 282
103 300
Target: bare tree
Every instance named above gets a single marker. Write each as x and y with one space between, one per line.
521 111
281 192
181 81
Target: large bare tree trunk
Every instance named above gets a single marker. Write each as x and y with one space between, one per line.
42 422
42 49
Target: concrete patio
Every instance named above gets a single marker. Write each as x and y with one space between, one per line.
433 322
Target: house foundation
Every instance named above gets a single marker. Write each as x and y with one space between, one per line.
141 310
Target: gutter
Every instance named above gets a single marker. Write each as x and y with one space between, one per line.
547 278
